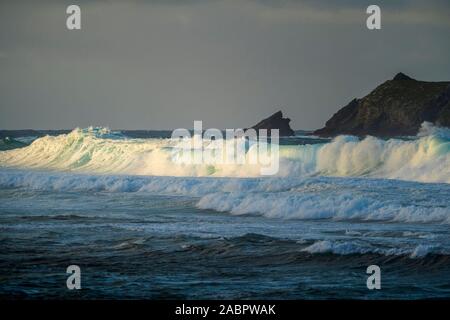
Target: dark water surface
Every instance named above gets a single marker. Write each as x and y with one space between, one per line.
131 245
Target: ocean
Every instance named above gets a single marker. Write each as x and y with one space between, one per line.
141 227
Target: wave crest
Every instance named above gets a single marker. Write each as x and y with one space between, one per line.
98 150
283 198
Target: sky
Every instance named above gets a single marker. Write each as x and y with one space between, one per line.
163 64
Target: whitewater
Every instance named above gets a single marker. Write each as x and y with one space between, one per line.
134 218
425 158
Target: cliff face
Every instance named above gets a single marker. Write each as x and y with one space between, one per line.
396 107
276 121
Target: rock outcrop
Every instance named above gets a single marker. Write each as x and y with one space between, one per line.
395 108
276 121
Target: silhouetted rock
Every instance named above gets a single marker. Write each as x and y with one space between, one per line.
395 108
402 76
276 121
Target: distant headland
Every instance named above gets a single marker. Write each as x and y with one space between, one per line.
397 107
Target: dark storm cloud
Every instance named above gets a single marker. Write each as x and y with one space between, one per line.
162 64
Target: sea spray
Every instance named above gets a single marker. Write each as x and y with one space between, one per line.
425 158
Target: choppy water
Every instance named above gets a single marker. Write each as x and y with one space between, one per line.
308 233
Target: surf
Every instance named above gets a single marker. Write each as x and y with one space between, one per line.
425 158
313 198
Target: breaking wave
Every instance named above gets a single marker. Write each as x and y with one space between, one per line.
425 158
313 198
352 247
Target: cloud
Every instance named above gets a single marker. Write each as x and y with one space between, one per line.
162 64
350 12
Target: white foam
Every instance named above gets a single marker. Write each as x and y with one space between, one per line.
284 198
92 150
343 248
322 205
347 248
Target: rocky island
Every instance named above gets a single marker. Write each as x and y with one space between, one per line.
395 108
276 121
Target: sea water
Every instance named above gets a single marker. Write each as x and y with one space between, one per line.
140 226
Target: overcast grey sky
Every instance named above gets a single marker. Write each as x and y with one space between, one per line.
163 64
